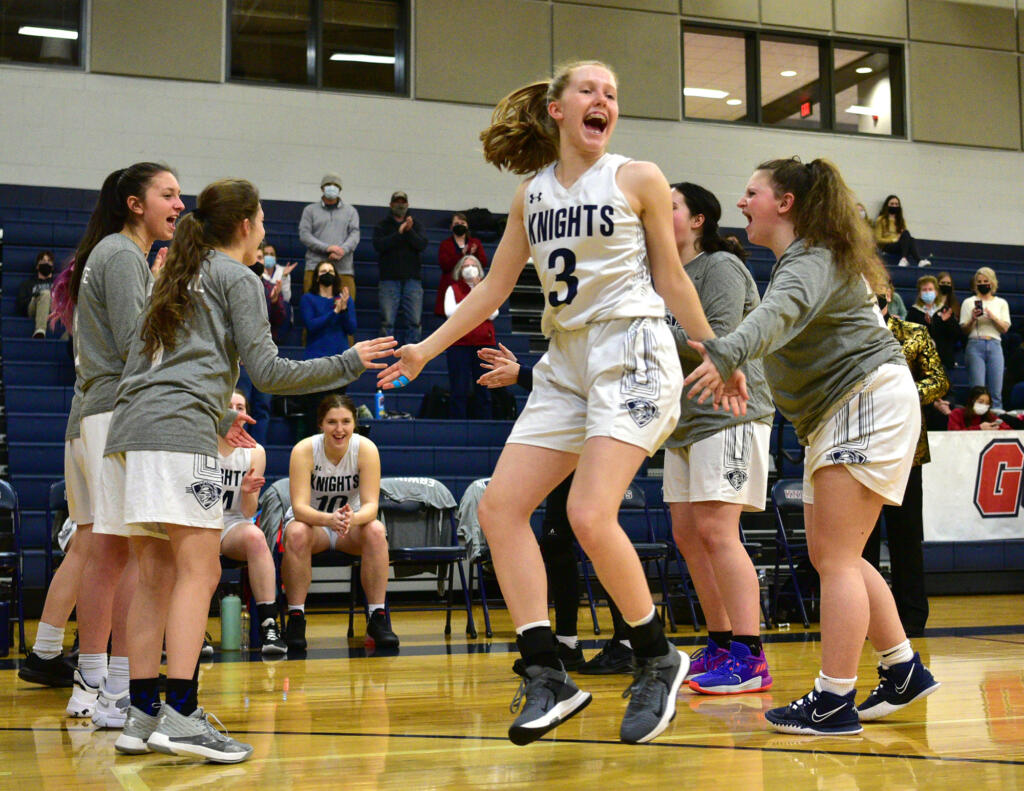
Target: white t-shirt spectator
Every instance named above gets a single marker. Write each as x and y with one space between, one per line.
984 327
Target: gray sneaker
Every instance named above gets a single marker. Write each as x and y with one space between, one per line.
546 697
111 710
138 727
195 735
652 696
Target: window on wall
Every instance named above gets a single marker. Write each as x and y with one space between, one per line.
356 45
796 82
41 31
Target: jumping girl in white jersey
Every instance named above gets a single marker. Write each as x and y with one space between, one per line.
840 377
335 487
606 395
242 475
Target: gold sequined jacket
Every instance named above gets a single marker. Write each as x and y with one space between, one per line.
925 367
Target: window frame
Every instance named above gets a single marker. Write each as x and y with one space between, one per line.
826 45
83 48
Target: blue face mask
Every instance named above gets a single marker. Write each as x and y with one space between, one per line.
270 261
927 297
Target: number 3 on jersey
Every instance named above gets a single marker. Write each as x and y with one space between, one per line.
567 259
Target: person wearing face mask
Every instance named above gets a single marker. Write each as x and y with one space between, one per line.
275 275
451 251
464 365
892 236
329 229
933 310
34 294
977 414
399 239
984 318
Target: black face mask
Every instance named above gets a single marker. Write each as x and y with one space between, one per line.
882 301
946 288
894 210
326 279
257 269
45 270
984 288
460 230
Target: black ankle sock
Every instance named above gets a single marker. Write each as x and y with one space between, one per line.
181 695
648 639
753 642
264 611
539 647
619 625
144 694
722 639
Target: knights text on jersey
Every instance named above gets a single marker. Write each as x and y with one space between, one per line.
589 248
331 486
233 468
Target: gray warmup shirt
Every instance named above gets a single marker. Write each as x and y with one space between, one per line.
727 293
819 331
322 226
115 284
74 429
176 402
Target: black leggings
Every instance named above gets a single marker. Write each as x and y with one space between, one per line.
904 247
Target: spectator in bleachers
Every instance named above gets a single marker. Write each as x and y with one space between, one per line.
399 239
34 294
464 365
977 414
282 275
894 302
984 318
1013 373
329 315
330 231
932 309
892 236
460 243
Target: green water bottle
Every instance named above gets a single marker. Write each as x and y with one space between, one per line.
230 623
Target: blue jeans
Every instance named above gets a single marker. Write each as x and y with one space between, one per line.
464 368
404 298
984 358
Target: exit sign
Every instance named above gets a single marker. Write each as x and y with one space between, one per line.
805 109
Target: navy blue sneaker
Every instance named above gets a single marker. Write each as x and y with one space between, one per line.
900 686
817 713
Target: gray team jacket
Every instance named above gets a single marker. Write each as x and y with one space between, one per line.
819 331
727 293
322 226
176 402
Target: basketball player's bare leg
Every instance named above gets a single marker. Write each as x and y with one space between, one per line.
147 615
686 533
370 543
248 544
301 542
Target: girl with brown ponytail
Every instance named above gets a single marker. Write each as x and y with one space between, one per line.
838 374
161 473
598 228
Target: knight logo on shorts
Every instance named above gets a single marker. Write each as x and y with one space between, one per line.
207 494
736 478
847 456
642 411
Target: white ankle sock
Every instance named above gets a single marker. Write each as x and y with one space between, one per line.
837 686
49 641
117 675
646 619
300 607
570 640
372 608
531 625
93 668
899 653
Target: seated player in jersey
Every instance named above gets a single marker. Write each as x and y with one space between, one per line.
242 471
335 488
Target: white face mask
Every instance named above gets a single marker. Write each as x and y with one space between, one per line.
980 408
470 273
332 191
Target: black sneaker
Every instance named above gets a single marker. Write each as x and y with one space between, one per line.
295 631
900 685
546 697
817 713
207 649
378 633
613 658
572 658
53 672
270 636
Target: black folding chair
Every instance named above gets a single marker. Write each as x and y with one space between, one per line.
11 561
787 501
476 544
56 503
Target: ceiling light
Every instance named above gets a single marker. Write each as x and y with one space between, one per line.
787 73
48 32
858 109
354 57
864 69
705 93
734 102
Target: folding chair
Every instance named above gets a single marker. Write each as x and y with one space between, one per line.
476 543
650 551
56 502
11 561
423 538
787 500
684 573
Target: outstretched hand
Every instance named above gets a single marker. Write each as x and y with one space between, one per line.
237 436
371 350
251 482
159 260
706 381
502 367
411 361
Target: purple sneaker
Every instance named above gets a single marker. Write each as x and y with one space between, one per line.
705 659
740 672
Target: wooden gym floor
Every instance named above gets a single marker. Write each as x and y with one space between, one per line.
435 717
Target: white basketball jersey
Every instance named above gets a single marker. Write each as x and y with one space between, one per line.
331 486
589 248
233 468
